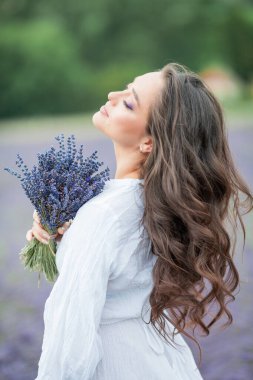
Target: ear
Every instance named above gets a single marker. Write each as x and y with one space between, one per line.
147 145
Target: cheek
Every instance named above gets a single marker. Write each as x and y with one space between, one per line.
127 130
126 122
122 119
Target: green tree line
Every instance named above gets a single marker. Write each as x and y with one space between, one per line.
59 56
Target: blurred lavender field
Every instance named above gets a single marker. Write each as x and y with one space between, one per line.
227 354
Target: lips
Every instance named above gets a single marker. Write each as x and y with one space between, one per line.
104 111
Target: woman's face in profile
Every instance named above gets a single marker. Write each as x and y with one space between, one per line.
124 116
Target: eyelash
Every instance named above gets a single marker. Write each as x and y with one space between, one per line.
128 105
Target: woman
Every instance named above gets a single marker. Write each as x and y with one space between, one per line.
144 259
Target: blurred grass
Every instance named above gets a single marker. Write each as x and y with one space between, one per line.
44 128
48 121
239 108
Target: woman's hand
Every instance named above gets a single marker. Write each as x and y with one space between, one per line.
41 234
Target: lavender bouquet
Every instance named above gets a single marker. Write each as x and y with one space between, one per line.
57 187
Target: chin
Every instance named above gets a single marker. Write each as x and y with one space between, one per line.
98 121
95 118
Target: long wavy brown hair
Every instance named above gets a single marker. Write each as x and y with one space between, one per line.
191 190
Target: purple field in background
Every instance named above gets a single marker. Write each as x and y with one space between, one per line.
227 353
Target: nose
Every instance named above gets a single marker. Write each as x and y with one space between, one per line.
111 95
114 96
111 98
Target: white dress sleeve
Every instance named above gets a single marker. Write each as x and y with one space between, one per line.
72 345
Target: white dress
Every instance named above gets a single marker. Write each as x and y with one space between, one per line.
93 315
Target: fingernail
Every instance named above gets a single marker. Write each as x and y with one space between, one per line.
45 235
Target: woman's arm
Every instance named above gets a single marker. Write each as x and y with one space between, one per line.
72 346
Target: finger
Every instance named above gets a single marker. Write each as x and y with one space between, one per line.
40 233
64 227
29 235
39 227
36 216
39 237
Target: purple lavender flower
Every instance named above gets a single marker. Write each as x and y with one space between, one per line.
57 187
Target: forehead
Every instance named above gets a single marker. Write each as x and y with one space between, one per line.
150 77
148 86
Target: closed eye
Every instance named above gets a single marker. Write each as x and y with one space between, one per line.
127 105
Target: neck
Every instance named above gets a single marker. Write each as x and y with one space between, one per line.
127 163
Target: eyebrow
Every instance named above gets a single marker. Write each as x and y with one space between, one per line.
135 95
